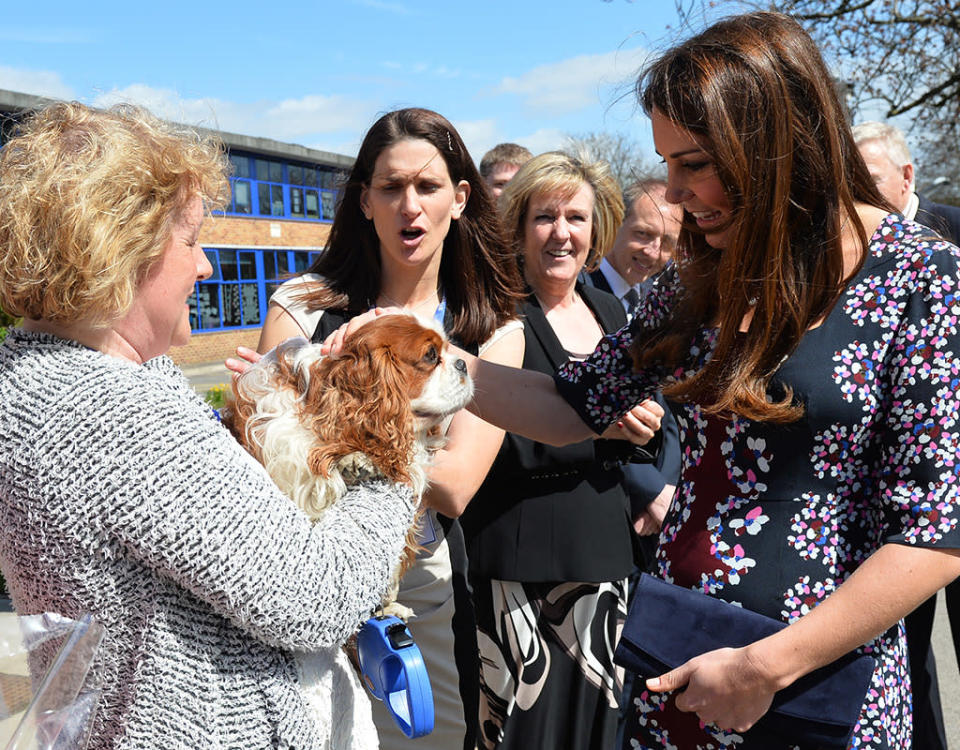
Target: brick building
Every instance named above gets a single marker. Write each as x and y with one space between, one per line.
282 202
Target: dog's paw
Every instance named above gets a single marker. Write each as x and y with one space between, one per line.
398 610
356 468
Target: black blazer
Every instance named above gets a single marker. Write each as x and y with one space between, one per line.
945 220
545 513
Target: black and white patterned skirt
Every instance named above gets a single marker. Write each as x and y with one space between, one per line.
546 659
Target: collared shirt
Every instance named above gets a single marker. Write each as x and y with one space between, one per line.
913 203
619 287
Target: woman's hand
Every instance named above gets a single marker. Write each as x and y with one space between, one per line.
650 519
728 688
333 343
246 356
638 425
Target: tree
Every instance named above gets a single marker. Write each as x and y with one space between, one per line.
6 321
901 54
620 151
900 60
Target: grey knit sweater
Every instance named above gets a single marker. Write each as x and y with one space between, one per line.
121 495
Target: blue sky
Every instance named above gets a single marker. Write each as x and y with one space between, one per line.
318 73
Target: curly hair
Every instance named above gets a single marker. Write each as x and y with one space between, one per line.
87 201
558 172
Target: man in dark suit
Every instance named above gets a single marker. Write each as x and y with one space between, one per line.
885 152
644 244
941 218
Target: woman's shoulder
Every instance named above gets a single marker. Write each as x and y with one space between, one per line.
291 297
908 243
514 324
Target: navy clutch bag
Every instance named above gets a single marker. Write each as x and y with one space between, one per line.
669 625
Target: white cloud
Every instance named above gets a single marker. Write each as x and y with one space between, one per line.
315 113
478 135
544 139
288 119
35 82
576 83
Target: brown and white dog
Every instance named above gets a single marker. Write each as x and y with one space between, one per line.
320 423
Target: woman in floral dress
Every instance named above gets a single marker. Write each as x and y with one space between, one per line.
807 341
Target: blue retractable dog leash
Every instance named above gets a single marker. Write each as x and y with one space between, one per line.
393 669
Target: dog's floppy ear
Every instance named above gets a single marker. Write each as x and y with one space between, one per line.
362 397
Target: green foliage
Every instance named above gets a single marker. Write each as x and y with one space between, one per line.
217 396
6 321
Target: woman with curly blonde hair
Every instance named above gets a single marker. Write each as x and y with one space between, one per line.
120 493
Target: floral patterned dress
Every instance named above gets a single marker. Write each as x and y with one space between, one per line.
776 517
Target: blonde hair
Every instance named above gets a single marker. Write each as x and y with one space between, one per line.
557 172
87 202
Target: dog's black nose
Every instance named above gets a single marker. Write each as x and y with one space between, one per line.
460 366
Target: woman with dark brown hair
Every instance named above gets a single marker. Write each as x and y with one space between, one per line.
807 342
416 228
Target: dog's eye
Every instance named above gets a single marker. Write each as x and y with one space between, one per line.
431 357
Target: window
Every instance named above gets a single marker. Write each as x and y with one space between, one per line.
271 187
237 293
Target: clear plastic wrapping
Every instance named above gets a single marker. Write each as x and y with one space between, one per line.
54 712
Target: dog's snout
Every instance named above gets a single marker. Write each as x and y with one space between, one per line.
460 366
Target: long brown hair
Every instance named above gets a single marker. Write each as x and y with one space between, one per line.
755 87
479 276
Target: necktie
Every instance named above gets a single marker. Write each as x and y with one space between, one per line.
631 300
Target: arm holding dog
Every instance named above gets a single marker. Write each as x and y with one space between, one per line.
526 402
289 582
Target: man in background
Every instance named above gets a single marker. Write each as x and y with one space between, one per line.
645 243
884 149
885 152
500 164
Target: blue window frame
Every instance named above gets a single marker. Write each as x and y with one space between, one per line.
237 293
261 186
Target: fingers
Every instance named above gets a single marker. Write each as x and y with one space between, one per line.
247 357
237 366
648 413
249 354
645 524
653 408
638 428
333 343
672 680
718 689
